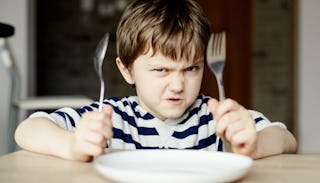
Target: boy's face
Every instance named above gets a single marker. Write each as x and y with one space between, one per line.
166 88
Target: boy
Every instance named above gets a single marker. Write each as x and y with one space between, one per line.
161 46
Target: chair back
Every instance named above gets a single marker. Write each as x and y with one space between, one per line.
7 31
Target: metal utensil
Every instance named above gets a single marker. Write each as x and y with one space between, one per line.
98 61
216 56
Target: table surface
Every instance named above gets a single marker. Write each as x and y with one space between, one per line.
24 167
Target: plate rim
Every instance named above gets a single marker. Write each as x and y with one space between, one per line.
103 169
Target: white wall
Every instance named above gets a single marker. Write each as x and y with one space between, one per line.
308 76
18 13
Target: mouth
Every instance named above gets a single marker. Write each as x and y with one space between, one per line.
175 100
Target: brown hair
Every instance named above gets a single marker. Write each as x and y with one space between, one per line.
176 28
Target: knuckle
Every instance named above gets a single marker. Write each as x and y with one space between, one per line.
219 133
226 117
109 134
99 125
232 128
100 116
248 114
230 102
98 151
85 115
99 139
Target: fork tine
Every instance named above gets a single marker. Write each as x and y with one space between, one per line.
216 42
223 44
219 42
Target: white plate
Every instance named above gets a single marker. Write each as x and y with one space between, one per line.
185 166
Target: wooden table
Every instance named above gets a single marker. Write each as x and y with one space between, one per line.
26 167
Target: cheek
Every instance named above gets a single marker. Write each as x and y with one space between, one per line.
195 89
148 86
194 84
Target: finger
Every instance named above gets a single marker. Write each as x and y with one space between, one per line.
247 136
95 125
107 109
227 106
232 123
102 128
91 149
107 132
225 122
96 139
88 116
213 106
233 128
244 142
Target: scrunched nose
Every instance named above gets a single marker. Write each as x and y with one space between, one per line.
177 83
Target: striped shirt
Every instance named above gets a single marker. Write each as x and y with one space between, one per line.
135 128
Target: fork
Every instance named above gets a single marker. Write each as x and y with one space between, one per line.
216 56
98 61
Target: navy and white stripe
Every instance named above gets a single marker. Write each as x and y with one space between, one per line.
135 128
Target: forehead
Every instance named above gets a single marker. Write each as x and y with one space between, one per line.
159 59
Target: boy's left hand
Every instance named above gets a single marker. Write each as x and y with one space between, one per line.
235 124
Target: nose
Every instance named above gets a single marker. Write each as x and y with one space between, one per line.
177 83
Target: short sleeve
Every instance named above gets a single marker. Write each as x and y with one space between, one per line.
262 122
66 118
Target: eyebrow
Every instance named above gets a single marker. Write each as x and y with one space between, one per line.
198 61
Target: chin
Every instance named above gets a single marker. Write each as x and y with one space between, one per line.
174 115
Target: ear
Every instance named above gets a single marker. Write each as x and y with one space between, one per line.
124 71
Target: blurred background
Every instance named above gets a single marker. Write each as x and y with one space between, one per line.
272 53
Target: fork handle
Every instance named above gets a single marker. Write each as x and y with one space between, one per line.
101 98
221 92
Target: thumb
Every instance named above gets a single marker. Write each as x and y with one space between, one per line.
213 106
107 109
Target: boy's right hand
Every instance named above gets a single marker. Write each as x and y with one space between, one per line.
91 135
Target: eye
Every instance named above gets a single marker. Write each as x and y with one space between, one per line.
192 68
162 70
